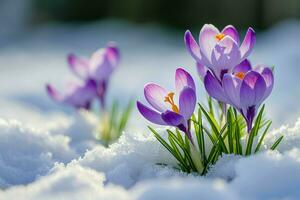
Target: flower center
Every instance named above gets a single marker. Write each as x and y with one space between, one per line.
240 75
220 36
170 99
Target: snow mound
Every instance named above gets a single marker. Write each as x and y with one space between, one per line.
291 137
69 183
269 175
80 129
265 176
26 153
133 158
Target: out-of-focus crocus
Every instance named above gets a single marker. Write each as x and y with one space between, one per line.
245 89
220 51
77 95
94 73
169 108
99 68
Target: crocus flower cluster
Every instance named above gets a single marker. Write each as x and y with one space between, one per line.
171 108
227 74
94 74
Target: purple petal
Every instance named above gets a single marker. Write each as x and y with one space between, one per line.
183 79
214 88
232 86
113 54
53 93
248 43
232 32
172 118
81 95
207 39
244 67
192 45
202 70
150 114
187 102
226 54
101 67
78 95
267 73
79 66
103 62
252 89
155 95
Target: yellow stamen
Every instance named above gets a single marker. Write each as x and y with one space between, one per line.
240 75
220 36
170 99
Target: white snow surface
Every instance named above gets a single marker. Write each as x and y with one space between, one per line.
48 151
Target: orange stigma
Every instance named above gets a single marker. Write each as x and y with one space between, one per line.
220 36
170 99
240 75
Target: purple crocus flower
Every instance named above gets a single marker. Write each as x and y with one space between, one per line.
77 95
169 108
220 51
95 70
245 89
98 68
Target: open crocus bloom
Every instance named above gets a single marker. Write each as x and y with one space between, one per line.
94 72
77 95
245 89
99 68
220 51
213 83
169 108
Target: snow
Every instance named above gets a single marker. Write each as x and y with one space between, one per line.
48 151
26 153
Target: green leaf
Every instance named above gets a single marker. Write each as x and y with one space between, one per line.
254 131
162 141
230 126
178 153
186 150
276 143
239 148
125 116
212 121
262 137
200 135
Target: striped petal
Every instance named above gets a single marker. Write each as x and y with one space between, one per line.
192 46
214 88
244 67
149 114
248 43
172 118
187 102
232 86
252 89
183 79
155 95
207 39
232 32
202 70
267 73
226 54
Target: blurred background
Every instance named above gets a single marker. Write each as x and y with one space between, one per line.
175 14
36 36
